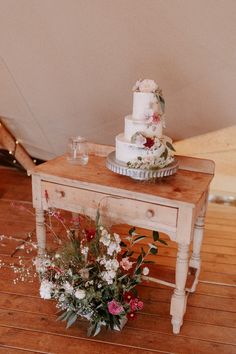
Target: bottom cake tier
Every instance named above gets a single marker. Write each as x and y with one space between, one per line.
158 156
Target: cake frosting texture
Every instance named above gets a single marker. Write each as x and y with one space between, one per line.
143 145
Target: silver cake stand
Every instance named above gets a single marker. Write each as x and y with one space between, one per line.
139 174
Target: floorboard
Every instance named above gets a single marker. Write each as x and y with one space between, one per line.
28 323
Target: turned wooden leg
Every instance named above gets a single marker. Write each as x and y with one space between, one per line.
195 260
40 231
178 300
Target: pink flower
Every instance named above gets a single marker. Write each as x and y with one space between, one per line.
156 118
126 264
114 307
136 304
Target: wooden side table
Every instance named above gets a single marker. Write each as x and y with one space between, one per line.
175 205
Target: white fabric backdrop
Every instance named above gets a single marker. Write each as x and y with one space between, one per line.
67 66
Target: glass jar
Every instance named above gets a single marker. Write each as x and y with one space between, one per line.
77 152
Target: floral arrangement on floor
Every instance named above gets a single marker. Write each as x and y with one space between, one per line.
92 274
161 151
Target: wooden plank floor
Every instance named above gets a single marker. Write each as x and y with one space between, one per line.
28 323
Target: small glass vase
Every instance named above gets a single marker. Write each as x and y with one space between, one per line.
77 152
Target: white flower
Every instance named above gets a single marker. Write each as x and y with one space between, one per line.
84 251
62 298
126 264
105 238
148 86
68 287
117 238
113 247
108 276
136 85
80 294
140 140
112 264
46 288
145 271
41 264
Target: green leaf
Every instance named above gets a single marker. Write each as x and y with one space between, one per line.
124 254
122 277
143 252
138 271
97 217
153 250
63 316
155 235
139 238
139 260
165 153
162 103
170 146
97 329
130 253
162 241
90 330
71 320
131 231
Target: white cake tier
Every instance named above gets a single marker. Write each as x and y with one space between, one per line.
133 126
126 151
143 102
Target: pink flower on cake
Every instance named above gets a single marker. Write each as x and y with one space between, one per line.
156 118
114 307
126 264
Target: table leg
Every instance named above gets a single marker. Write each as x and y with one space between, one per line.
40 230
195 260
179 297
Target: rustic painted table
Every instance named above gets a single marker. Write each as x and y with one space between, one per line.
175 205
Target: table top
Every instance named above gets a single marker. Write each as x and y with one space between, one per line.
186 186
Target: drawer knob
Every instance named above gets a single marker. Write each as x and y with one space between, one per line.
60 194
150 213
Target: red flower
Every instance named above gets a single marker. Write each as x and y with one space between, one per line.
90 234
136 304
149 143
131 316
128 296
156 118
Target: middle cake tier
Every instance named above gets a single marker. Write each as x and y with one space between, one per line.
133 126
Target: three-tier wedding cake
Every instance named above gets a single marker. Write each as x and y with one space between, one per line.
142 145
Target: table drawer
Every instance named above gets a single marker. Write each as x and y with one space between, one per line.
115 209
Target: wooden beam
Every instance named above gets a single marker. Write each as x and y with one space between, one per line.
8 142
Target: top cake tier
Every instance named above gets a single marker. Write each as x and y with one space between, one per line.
144 105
